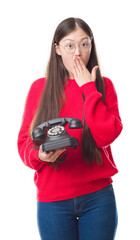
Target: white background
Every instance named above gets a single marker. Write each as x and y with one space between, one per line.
26 31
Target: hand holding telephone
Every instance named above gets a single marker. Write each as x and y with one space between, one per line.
56 137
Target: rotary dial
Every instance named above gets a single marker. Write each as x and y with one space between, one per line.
57 130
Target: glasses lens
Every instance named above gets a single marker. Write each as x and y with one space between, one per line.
85 46
70 48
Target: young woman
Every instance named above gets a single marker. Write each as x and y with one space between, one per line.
75 197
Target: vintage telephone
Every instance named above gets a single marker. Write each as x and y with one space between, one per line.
56 136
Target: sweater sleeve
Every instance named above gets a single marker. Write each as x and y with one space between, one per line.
103 119
26 149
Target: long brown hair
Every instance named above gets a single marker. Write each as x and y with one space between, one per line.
53 96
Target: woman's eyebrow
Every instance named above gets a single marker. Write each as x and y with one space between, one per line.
74 40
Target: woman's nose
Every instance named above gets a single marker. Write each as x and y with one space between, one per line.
77 51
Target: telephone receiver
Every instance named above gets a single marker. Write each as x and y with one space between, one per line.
56 137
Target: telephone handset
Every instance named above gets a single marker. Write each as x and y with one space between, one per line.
56 136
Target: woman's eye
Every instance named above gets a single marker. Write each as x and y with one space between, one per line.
70 45
84 44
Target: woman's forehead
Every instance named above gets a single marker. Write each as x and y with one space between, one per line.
76 35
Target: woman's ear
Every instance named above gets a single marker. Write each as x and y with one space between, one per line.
57 49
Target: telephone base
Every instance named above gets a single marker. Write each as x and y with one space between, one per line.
70 142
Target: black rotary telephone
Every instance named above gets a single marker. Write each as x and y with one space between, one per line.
56 136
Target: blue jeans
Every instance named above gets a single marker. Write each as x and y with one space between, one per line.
89 217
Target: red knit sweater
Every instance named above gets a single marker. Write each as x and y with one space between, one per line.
74 177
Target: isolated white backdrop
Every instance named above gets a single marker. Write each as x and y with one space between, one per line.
27 29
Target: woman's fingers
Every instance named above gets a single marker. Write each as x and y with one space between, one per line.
51 156
56 154
79 65
93 73
75 69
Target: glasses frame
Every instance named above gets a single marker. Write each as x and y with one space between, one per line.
75 47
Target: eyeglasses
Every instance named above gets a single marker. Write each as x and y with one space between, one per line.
84 46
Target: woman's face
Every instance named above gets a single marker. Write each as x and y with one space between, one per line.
76 38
